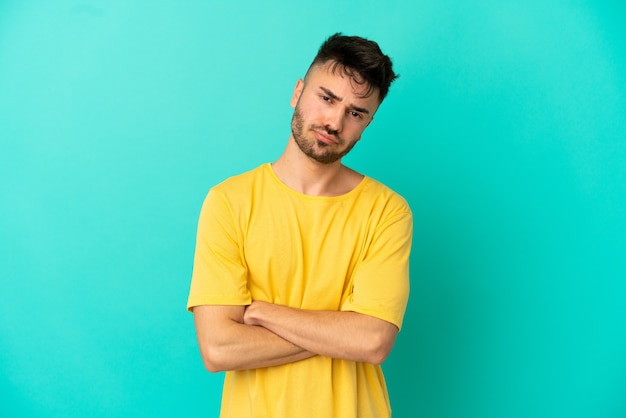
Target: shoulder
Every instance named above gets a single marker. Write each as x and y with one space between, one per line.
382 195
241 185
242 179
235 191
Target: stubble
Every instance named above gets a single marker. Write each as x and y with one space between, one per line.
313 148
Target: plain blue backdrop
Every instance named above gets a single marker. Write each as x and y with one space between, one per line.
506 132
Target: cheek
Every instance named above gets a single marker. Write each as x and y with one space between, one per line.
314 108
355 129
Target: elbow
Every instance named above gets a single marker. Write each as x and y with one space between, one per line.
212 367
213 359
379 347
378 355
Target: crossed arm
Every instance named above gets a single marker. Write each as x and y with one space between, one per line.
264 334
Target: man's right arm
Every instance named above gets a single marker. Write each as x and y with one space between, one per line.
226 343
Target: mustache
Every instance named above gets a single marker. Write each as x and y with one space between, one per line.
329 131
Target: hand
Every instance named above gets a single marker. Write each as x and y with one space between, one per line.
252 313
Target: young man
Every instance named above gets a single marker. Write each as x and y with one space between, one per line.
300 277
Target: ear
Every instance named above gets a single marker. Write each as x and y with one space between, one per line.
297 91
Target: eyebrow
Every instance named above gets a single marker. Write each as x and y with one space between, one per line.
339 99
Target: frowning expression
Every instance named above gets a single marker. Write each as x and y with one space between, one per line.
332 109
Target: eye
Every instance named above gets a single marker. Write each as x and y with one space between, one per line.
356 115
326 99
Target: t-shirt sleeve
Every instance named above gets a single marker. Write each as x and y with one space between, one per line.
219 271
381 280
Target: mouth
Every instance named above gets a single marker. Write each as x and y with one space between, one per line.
325 138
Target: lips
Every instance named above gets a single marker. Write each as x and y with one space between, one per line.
325 138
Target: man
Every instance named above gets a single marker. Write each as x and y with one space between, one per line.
300 277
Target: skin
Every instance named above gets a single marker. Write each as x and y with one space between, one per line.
331 113
325 102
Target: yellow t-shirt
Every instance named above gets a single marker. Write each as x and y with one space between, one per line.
260 240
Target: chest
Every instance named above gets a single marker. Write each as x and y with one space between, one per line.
304 255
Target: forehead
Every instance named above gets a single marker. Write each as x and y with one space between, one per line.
340 76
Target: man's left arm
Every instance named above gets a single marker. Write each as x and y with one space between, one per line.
344 335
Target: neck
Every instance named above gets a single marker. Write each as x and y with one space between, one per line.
305 175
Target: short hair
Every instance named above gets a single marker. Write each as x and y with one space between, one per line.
356 56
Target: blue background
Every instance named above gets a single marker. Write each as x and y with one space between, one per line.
506 132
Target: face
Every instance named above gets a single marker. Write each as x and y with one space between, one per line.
330 114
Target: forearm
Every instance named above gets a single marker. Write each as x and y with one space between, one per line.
344 335
226 343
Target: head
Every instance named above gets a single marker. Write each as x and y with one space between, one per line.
360 60
344 86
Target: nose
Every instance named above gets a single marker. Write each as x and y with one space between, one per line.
334 120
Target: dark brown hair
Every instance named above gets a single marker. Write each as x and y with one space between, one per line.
360 59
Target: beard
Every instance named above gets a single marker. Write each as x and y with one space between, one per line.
311 147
